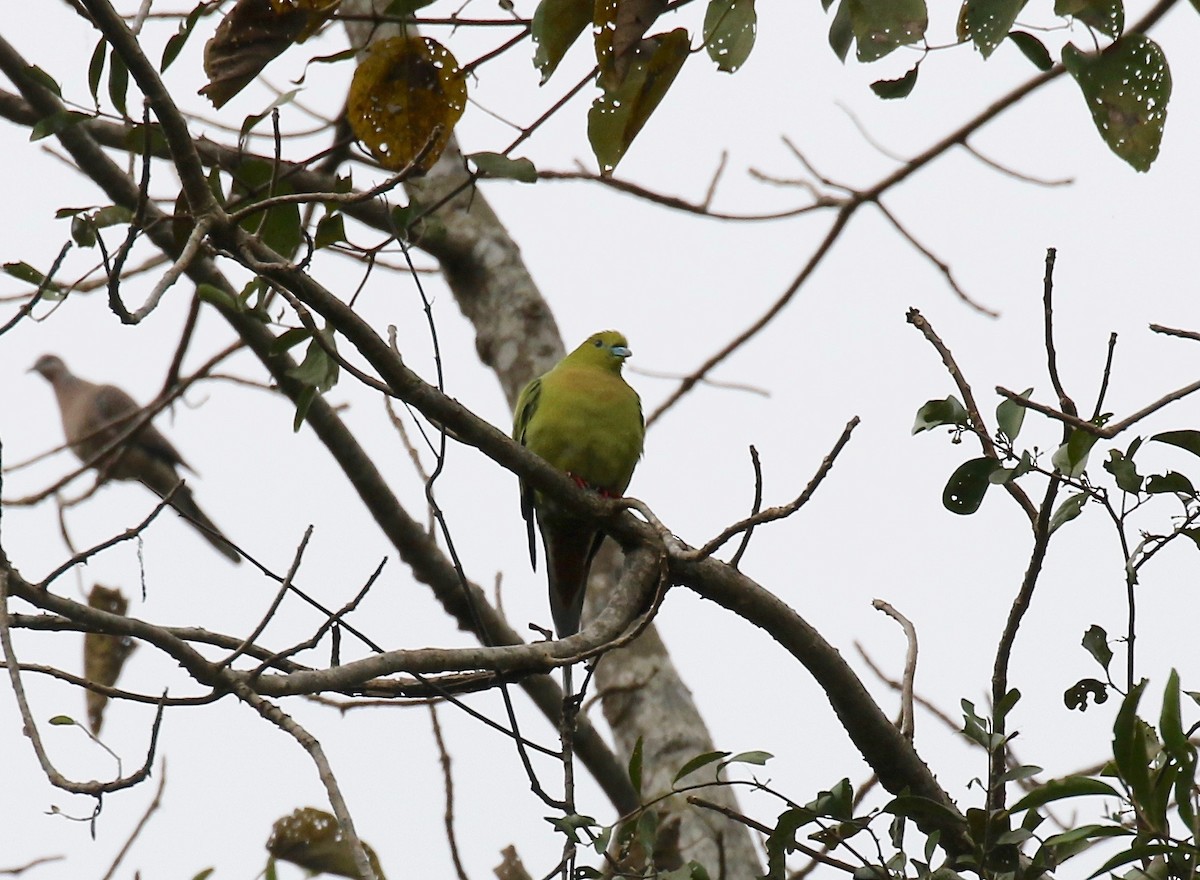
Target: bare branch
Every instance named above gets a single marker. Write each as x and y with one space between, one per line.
910 666
774 513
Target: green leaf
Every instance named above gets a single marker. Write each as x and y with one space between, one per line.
1124 471
557 24
1067 787
1033 49
1010 415
43 79
988 22
1006 704
406 7
841 32
1133 854
914 807
317 369
62 721
1126 88
176 43
1076 696
1129 745
635 767
83 231
935 413
1071 458
1095 642
331 230
500 166
22 271
96 70
1088 832
278 226
1186 440
752 757
1161 484
56 122
729 29
118 81
616 117
782 840
1022 772
890 89
571 825
1170 725
211 294
697 762
977 729
839 802
968 484
288 339
1067 511
1106 16
882 26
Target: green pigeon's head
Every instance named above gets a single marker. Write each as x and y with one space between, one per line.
607 349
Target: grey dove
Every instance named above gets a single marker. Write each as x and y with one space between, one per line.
93 416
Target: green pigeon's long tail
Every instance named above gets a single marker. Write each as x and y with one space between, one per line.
570 547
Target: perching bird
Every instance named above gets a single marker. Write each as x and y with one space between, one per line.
93 416
584 419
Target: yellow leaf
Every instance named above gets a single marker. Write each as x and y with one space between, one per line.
406 94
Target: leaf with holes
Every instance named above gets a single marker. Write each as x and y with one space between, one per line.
882 26
1126 87
967 485
986 22
1106 16
619 26
556 26
729 30
617 116
406 94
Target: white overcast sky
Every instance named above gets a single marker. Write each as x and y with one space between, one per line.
680 287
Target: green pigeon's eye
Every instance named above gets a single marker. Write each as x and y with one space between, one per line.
599 343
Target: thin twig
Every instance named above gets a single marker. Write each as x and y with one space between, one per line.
448 783
1065 403
736 559
137 829
1108 362
773 513
1171 331
1112 429
30 729
272 713
941 265
910 666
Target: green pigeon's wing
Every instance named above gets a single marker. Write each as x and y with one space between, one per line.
527 405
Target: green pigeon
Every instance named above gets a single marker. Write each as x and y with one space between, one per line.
582 418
